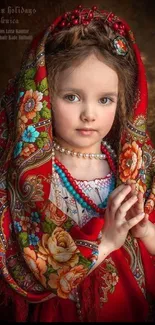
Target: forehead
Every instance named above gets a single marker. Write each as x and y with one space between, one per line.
91 72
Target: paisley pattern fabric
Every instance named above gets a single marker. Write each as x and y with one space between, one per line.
44 253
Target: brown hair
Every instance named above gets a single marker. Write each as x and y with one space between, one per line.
70 47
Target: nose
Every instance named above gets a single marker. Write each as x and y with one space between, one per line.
88 114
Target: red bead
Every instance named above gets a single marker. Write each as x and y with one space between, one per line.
85 22
65 16
94 8
63 23
75 22
70 178
109 19
97 18
80 7
91 15
121 32
69 24
98 209
121 26
83 195
75 12
72 17
112 15
115 26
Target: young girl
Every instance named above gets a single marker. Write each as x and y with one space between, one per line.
77 192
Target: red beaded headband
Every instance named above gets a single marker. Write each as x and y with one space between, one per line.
84 16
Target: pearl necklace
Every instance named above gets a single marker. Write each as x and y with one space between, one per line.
78 154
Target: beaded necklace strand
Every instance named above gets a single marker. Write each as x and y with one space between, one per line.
73 187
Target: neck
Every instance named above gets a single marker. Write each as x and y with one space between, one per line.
74 162
78 162
94 149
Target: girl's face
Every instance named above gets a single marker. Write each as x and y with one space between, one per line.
84 105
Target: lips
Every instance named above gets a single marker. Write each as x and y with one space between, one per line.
85 129
86 132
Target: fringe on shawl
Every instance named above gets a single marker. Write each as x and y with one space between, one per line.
19 305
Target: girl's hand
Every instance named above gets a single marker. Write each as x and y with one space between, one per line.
116 225
141 229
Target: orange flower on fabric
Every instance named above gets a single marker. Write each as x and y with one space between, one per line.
150 203
24 223
66 280
31 104
130 161
141 186
36 264
59 249
26 152
56 215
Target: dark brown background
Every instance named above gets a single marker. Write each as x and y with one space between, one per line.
139 14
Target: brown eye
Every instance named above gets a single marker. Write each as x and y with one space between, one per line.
70 97
106 100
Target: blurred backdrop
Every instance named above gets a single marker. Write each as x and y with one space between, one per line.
21 20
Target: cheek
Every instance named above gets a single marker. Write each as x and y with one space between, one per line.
108 118
62 118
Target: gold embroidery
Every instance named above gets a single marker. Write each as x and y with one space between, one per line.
109 279
135 261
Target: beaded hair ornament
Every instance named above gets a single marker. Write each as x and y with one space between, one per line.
84 16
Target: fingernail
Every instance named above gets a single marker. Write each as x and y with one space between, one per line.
142 214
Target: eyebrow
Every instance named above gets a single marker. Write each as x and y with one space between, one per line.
105 93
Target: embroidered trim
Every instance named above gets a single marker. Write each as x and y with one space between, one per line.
84 243
133 129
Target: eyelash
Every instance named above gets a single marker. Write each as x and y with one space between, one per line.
111 100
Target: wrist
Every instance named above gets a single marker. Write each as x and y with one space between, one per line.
106 247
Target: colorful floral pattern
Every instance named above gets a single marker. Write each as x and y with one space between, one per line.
55 214
36 264
130 161
30 134
48 244
59 249
66 280
31 104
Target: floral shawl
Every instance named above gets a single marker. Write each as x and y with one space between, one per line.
32 229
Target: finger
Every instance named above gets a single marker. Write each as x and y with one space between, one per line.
115 203
133 189
139 207
133 186
133 222
116 191
125 207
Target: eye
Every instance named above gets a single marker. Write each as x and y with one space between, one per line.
70 96
106 100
